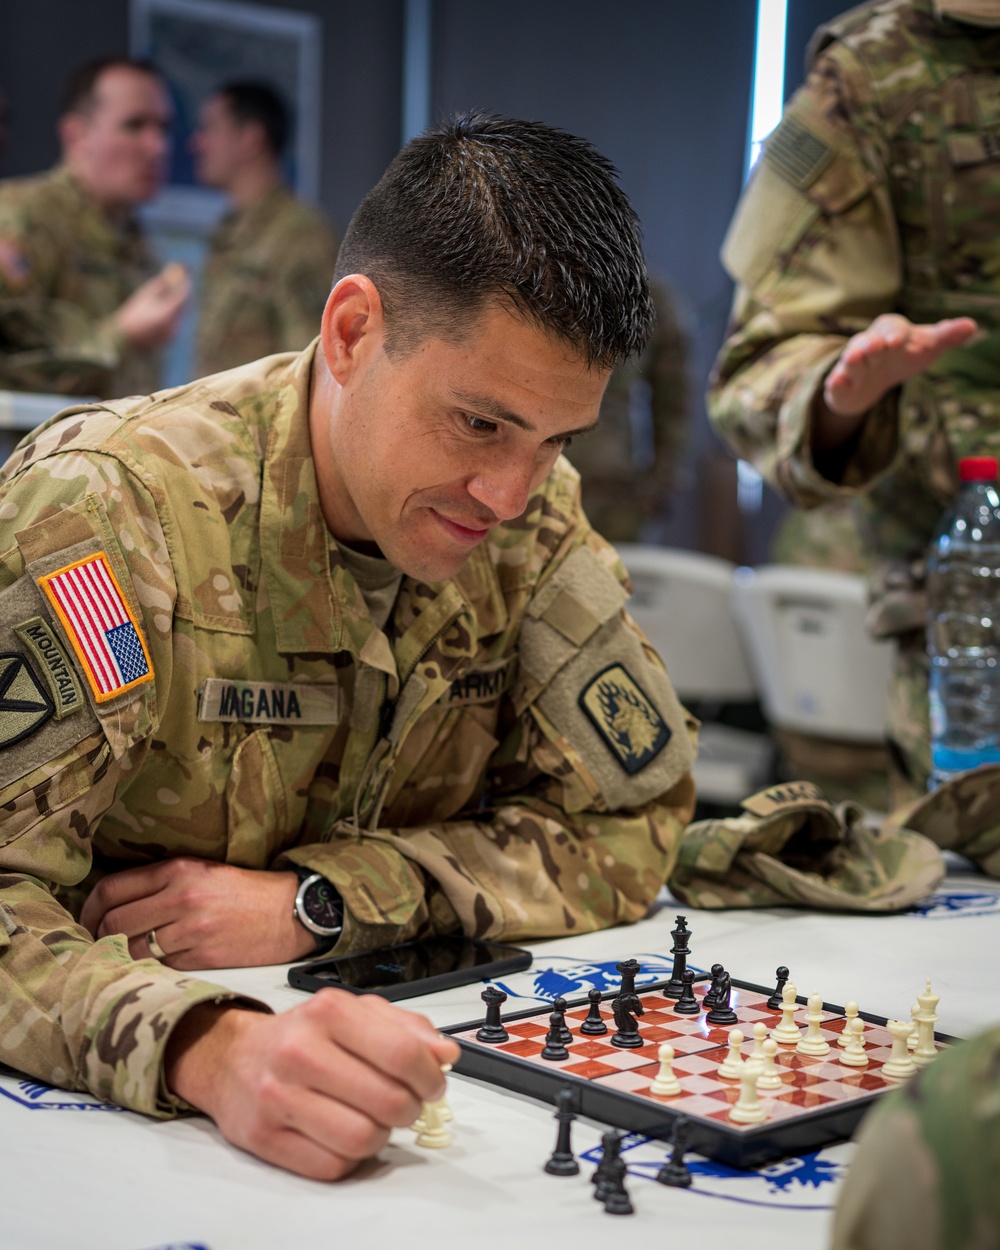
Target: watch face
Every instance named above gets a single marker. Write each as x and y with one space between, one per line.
321 904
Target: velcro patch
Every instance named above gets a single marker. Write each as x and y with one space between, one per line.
623 715
39 637
270 702
780 798
100 626
24 702
797 154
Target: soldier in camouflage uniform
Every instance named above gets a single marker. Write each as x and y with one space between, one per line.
337 612
628 464
82 308
863 246
925 1174
270 260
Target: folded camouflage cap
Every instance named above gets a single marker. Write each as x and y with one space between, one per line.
961 815
793 847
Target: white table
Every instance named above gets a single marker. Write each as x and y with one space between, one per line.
78 1176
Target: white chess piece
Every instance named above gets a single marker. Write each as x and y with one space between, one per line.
926 1048
433 1135
899 1065
748 1108
850 1013
730 1068
814 1043
914 1036
759 1033
442 1104
666 1085
854 1055
787 1032
770 1077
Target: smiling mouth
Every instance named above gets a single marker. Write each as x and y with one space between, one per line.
464 533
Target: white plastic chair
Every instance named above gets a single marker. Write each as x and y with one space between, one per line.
818 669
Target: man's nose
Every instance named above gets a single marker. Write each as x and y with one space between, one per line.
505 485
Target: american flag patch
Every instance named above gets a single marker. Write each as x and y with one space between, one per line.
102 630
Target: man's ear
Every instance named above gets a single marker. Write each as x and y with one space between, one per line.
353 328
71 130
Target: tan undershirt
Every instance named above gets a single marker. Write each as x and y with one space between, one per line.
377 580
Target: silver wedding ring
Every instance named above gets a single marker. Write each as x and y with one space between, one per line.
155 949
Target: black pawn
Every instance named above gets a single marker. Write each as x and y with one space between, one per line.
560 1005
629 969
492 1030
562 1161
712 993
675 1171
616 1199
594 1025
774 1002
687 1004
680 951
554 1048
611 1144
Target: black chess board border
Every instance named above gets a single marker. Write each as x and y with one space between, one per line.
739 1148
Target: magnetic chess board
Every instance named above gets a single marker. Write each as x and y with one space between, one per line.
821 1100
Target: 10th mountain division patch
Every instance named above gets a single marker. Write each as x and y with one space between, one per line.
625 717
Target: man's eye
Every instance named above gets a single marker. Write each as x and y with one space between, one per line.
478 425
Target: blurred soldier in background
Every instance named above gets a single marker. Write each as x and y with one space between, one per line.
628 463
82 309
270 262
863 246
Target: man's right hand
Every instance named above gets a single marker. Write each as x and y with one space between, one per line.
149 316
316 1089
891 351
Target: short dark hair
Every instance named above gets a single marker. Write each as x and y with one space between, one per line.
80 89
484 208
257 102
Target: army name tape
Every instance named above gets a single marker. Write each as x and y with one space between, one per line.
624 716
482 685
57 668
100 626
270 702
790 794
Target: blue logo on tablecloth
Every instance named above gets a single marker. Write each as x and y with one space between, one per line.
38 1097
948 904
562 977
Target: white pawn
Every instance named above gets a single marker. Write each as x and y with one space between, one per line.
787 1032
433 1135
770 1077
666 1084
850 1013
814 1043
730 1067
899 1065
854 1055
748 1108
442 1104
759 1033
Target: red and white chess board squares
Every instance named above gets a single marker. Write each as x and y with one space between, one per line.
808 1083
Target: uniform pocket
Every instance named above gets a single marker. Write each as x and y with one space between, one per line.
256 805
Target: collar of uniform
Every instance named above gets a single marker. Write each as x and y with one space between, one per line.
294 537
251 219
974 12
80 202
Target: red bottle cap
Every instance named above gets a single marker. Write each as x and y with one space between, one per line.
977 469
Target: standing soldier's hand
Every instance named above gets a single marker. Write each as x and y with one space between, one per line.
149 316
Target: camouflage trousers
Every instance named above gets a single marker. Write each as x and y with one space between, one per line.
908 721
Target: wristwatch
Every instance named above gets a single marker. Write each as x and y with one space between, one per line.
318 907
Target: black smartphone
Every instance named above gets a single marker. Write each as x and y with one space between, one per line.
420 967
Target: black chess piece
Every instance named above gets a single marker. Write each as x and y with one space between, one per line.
611 1144
675 1171
554 1049
559 1005
625 1008
492 1030
629 969
616 1199
774 1002
721 1012
594 1025
687 1004
562 1161
713 990
679 950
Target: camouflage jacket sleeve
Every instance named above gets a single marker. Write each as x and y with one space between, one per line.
815 252
46 343
75 1012
585 788
925 1174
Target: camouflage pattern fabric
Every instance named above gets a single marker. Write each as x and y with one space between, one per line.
961 815
265 282
627 471
508 758
828 537
793 847
65 269
925 1173
879 191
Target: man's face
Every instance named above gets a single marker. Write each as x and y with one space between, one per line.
217 144
425 453
118 147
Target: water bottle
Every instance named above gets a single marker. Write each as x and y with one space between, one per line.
963 626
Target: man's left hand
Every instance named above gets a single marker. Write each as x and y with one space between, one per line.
204 914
